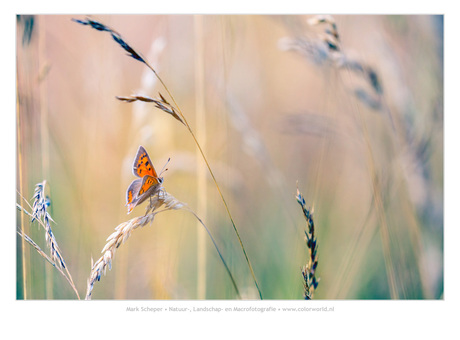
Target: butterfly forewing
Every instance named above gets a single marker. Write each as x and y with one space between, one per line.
143 165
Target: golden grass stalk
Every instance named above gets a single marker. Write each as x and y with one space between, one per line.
40 214
168 109
20 180
310 282
160 199
200 120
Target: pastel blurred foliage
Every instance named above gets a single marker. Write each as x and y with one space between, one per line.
274 117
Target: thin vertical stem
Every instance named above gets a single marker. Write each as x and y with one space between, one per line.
376 190
201 169
44 133
20 179
377 195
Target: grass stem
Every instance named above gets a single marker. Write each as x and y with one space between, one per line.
135 55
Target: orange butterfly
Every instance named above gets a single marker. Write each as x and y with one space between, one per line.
148 183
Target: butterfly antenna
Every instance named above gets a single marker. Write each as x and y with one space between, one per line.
163 170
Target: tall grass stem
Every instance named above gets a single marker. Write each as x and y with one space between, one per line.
201 169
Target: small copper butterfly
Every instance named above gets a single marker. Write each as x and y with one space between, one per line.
148 183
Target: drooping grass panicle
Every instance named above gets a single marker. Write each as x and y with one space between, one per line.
331 36
117 37
310 282
160 201
342 60
327 50
166 107
161 103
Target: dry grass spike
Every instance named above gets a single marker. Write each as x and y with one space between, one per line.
160 201
41 215
310 282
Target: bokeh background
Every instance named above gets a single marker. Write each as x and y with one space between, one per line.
356 122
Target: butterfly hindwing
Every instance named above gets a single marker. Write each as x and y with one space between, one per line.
147 183
133 190
132 193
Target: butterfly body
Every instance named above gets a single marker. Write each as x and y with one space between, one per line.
148 182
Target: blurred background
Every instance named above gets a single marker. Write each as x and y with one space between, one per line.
349 110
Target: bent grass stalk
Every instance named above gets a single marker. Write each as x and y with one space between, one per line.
37 247
160 199
43 254
176 112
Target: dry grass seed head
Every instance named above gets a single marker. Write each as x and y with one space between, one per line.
160 199
310 282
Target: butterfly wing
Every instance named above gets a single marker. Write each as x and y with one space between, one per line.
141 190
145 186
143 165
132 193
148 182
